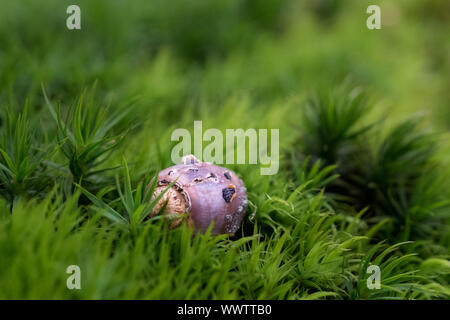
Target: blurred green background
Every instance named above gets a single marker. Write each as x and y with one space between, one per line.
172 54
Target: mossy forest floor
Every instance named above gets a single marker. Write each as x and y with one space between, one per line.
364 147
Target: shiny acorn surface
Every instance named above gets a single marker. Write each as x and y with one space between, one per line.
205 192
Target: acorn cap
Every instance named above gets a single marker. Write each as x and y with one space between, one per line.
205 192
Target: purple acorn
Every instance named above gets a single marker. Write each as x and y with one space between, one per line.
205 192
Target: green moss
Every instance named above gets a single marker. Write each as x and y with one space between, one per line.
359 183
